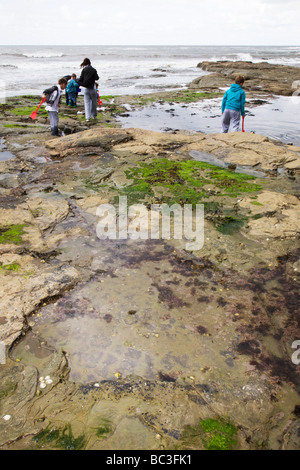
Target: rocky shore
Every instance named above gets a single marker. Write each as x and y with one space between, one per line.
259 78
145 344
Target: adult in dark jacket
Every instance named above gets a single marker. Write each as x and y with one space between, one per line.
87 80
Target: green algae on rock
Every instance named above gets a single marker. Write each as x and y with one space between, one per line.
212 434
10 267
186 181
60 439
27 111
12 234
104 428
212 312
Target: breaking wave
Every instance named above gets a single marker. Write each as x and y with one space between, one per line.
43 55
35 55
8 66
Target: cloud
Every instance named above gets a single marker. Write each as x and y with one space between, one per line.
149 22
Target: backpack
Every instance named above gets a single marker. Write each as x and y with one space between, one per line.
49 93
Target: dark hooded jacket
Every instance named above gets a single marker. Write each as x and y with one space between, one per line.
88 77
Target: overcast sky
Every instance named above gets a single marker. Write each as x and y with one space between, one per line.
147 22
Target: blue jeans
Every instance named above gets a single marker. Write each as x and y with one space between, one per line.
72 98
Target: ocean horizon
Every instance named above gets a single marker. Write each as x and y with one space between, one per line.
127 69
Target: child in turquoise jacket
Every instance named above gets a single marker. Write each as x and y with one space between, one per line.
233 105
71 89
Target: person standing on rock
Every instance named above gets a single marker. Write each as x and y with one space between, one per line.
53 96
87 79
71 89
67 77
233 105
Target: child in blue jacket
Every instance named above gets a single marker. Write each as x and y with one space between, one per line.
233 105
72 91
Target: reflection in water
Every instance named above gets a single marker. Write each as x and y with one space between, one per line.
152 314
277 118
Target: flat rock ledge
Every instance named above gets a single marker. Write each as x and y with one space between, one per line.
240 148
26 280
259 77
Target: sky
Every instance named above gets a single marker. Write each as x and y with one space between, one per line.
149 22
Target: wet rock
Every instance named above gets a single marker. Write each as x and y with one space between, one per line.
22 290
25 223
190 319
8 181
212 81
262 77
18 229
236 148
279 213
100 139
91 203
246 149
48 212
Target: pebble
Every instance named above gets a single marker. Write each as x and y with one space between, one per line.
6 417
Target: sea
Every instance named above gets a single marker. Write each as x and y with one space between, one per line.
126 70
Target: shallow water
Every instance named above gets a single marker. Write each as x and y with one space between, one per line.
117 323
278 118
5 155
213 160
145 312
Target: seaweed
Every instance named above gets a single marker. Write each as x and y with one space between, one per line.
12 234
10 267
212 434
60 438
104 428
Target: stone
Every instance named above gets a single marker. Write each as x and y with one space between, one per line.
247 149
280 215
259 77
21 291
293 165
90 204
98 139
48 212
8 181
35 215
